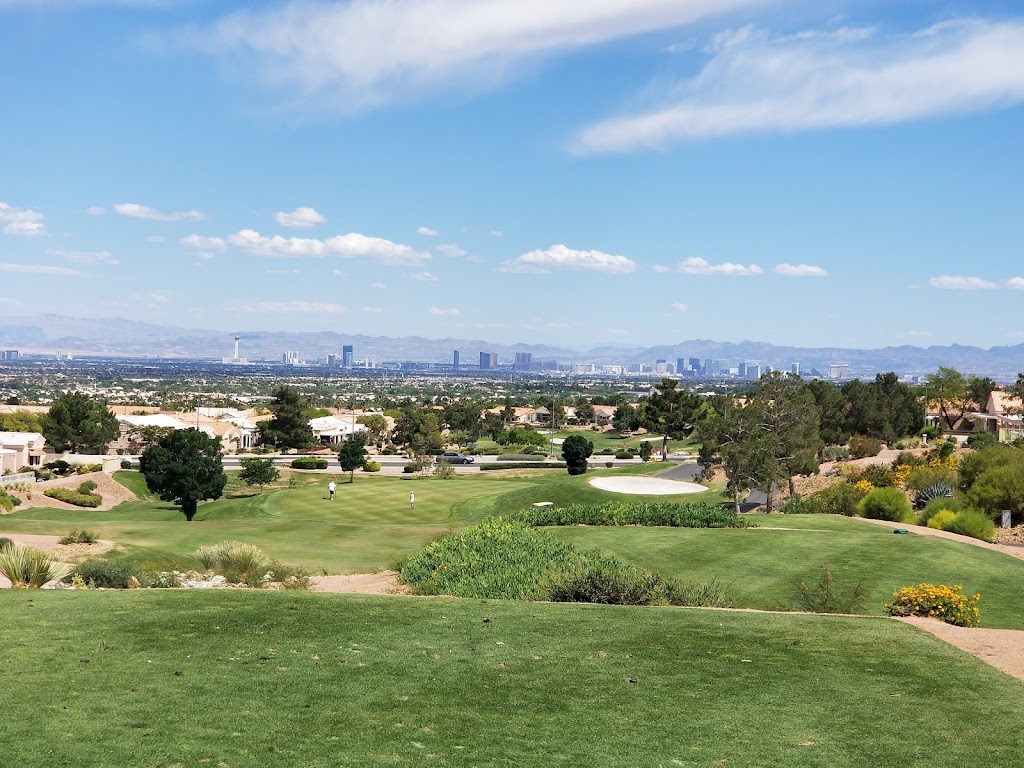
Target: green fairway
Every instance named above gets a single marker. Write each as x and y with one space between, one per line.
164 678
759 564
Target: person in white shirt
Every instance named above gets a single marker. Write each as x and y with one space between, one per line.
330 489
412 500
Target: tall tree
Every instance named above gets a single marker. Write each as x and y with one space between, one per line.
464 416
576 450
832 403
949 387
77 423
978 390
290 426
735 439
669 412
257 471
791 415
184 467
352 455
376 426
626 418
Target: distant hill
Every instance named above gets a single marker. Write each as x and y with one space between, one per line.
119 336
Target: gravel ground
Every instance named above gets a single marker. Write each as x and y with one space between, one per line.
1000 648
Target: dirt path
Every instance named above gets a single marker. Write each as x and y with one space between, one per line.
382 583
1007 549
1000 648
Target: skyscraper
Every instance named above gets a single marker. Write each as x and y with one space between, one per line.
455 359
346 356
523 360
488 360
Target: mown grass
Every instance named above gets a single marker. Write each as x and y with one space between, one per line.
263 679
759 564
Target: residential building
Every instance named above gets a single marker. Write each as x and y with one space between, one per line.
20 449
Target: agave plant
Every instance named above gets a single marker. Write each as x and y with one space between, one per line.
30 567
939 490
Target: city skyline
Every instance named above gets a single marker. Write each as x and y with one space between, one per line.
625 173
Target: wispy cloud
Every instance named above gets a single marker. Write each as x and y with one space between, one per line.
444 312
302 218
39 269
678 306
756 83
424 277
23 222
957 283
202 243
364 53
293 307
86 257
137 211
562 257
800 270
451 250
96 210
1015 283
352 245
427 231
698 266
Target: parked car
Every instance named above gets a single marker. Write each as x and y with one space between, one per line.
454 457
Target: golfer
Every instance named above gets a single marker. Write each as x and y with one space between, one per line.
412 500
330 489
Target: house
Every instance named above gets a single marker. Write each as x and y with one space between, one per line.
334 429
603 414
1003 414
20 449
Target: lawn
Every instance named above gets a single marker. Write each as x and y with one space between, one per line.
601 440
759 564
166 678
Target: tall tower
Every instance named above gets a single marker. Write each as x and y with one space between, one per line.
347 358
455 360
236 347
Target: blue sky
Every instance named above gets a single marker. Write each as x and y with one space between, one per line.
581 172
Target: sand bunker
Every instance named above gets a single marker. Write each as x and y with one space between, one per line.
645 486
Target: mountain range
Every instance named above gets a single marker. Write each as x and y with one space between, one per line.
128 338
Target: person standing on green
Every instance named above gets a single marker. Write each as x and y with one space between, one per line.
412 500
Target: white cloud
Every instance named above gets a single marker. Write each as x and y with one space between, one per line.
1015 283
204 243
679 307
452 250
698 266
300 217
444 311
293 307
661 269
800 270
497 233
136 211
378 286
562 257
96 210
85 257
39 269
364 53
424 277
755 83
155 238
372 310
955 283
205 255
427 231
348 246
23 222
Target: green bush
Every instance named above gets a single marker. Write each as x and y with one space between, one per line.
412 467
79 537
971 522
885 504
835 453
610 582
59 467
801 505
444 471
941 519
523 465
658 513
878 475
937 505
862 446
236 561
87 487
371 466
309 462
623 455
825 597
107 574
839 498
30 567
5 542
980 440
520 457
69 496
6 501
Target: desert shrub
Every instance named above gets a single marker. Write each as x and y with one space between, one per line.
879 475
623 455
907 442
941 519
835 453
862 446
936 601
69 496
931 431
30 567
971 522
980 440
610 582
79 537
125 464
522 465
59 467
658 513
5 542
839 498
923 476
42 473
107 574
609 464
939 490
389 450
413 467
444 471
371 466
824 596
309 462
801 505
942 450
933 507
87 487
6 501
520 457
207 556
885 504
236 561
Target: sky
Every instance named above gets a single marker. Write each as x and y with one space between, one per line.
839 173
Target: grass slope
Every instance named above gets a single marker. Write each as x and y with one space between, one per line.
759 564
272 679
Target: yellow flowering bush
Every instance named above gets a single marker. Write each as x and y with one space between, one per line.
900 475
864 486
936 601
